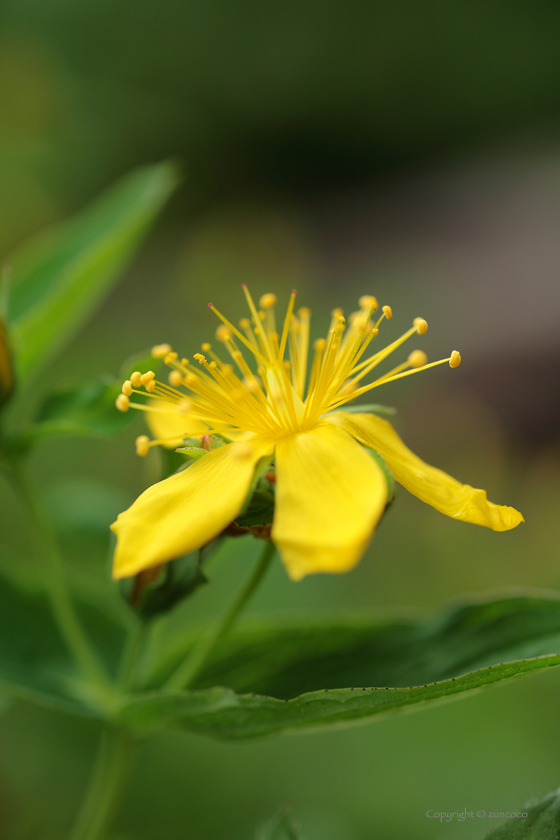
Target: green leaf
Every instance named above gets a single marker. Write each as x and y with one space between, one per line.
63 275
301 675
84 409
34 662
538 821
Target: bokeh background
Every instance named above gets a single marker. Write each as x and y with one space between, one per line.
408 149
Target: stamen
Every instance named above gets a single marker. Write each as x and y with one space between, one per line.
368 302
142 445
223 334
417 359
127 388
268 301
238 334
388 312
455 359
175 378
287 321
147 377
421 325
257 320
136 378
122 402
159 351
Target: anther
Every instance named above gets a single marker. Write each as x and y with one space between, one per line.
304 312
213 365
206 347
421 325
184 362
244 324
136 378
223 334
267 301
319 345
388 312
142 445
417 359
199 358
170 358
455 359
251 383
127 388
159 351
190 379
184 407
175 378
122 402
150 386
367 301
147 377
207 443
262 314
336 313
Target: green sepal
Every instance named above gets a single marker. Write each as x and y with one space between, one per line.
193 453
391 483
259 505
175 581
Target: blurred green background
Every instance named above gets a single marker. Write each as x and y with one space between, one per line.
408 149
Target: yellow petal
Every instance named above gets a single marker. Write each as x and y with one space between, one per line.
446 494
187 510
167 422
330 495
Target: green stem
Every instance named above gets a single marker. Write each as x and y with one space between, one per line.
190 668
106 786
56 588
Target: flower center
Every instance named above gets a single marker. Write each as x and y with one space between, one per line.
276 395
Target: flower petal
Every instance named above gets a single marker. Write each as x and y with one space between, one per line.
167 422
446 494
330 495
187 510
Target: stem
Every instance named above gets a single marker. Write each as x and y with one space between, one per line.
56 588
190 668
106 786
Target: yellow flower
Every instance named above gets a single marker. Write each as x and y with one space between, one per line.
330 492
